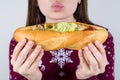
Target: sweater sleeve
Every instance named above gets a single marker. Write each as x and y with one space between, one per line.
109 71
13 75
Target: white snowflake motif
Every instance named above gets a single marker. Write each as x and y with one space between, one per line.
61 57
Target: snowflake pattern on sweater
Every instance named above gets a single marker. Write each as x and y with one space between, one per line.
61 57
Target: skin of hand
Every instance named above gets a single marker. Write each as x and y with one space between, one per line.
93 61
25 59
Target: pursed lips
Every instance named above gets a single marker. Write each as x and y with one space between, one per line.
57 6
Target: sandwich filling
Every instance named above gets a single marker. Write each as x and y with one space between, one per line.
61 27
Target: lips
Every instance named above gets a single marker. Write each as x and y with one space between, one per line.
57 6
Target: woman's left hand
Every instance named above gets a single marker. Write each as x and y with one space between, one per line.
92 61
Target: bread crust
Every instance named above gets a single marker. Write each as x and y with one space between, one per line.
53 40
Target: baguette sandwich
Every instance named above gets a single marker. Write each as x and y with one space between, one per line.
70 35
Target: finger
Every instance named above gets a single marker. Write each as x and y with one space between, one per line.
104 60
93 65
29 61
36 62
17 49
23 54
96 54
81 58
100 47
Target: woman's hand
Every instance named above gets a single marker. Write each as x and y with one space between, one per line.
25 60
92 61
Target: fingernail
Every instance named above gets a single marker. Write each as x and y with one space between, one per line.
86 48
80 51
23 40
38 47
97 42
30 43
90 45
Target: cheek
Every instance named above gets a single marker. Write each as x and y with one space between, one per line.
42 9
43 6
71 8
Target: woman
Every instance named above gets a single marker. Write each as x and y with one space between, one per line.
94 62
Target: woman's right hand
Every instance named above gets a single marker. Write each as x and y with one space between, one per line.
25 60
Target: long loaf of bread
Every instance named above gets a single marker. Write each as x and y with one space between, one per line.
53 40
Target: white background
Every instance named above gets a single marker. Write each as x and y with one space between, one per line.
13 14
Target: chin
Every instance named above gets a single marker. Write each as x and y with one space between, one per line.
58 18
57 15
